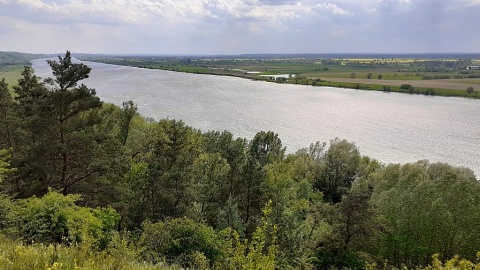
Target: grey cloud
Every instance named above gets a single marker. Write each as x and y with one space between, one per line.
249 26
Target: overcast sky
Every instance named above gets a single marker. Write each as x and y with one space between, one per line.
240 26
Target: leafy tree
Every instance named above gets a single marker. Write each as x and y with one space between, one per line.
250 196
380 76
427 208
175 149
308 162
234 151
295 208
356 231
470 90
258 253
266 147
129 110
341 164
209 172
369 75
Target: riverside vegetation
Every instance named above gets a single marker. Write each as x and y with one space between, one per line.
89 185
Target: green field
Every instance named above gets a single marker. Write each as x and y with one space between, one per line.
11 74
12 65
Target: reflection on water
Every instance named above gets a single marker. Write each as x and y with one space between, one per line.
391 127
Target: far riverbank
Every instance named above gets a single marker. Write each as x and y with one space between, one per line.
284 71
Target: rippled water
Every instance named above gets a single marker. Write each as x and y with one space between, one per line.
394 128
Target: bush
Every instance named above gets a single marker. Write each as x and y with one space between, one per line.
470 90
406 86
181 241
55 218
7 213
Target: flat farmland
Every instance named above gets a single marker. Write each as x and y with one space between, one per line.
443 84
11 74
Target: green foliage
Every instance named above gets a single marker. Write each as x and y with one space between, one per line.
193 198
428 209
406 86
57 142
229 217
470 90
356 231
181 241
6 110
295 208
341 165
266 147
16 255
8 213
55 218
209 173
454 263
175 147
259 253
5 155
129 110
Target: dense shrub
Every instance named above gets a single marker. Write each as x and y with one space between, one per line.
55 218
182 240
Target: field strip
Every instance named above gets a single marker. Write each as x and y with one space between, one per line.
415 83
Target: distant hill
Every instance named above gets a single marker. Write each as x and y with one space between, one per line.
15 58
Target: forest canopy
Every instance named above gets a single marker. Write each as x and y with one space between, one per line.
77 173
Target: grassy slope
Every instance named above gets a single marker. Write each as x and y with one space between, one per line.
12 63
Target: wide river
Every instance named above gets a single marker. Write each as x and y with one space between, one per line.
391 127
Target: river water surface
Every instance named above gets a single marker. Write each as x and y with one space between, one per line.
391 127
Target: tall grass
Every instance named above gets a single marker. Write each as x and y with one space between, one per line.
15 255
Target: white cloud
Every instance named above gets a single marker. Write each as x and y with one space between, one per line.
334 9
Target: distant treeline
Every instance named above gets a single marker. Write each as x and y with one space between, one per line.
8 59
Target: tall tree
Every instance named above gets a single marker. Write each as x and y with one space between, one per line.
61 146
67 101
129 110
175 149
341 166
6 116
429 208
235 152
